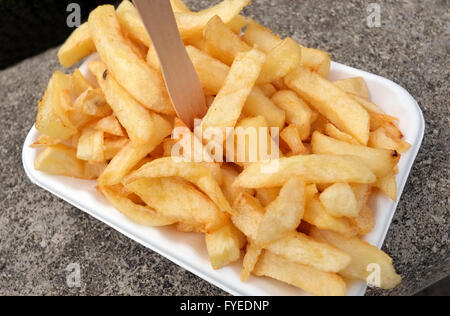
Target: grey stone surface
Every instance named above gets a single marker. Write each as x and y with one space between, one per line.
40 234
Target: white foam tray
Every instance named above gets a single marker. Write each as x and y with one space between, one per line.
189 250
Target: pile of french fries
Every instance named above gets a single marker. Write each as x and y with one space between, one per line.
301 224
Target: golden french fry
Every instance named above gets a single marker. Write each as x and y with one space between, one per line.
94 170
380 161
388 185
52 119
45 141
198 174
356 86
340 109
79 83
311 280
179 200
113 146
250 260
313 168
267 195
371 107
316 60
292 138
258 104
284 214
249 214
139 214
365 259
145 85
109 125
92 102
132 154
259 36
60 160
231 192
268 89
340 201
263 38
316 215
299 248
211 72
365 221
222 43
334 132
90 146
153 59
228 104
280 61
381 139
224 245
297 111
78 46
139 123
238 23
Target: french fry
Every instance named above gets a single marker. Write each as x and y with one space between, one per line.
316 215
284 214
45 141
388 185
249 213
380 161
263 38
211 72
139 214
224 245
313 168
365 221
297 111
109 125
90 146
250 260
299 248
340 201
199 175
78 46
179 200
292 138
60 160
280 61
364 256
267 195
146 86
258 104
311 280
92 103
231 192
268 89
334 132
52 120
228 104
79 83
356 86
381 139
222 43
340 109
113 146
139 123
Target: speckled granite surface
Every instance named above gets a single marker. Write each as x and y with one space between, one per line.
40 234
